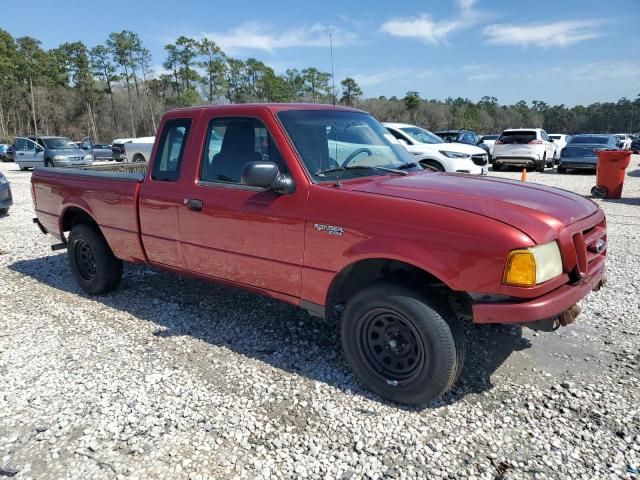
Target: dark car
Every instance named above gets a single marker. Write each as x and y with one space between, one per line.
6 200
10 154
464 136
635 143
581 151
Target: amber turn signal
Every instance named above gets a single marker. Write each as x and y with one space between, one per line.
520 270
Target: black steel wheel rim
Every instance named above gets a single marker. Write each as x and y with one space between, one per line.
391 345
85 260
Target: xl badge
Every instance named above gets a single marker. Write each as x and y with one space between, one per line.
331 229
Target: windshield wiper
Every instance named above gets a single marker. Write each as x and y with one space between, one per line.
407 165
360 167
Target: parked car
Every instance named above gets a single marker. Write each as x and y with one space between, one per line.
635 143
49 152
117 148
138 150
523 147
99 151
581 151
3 151
6 199
486 142
432 151
464 136
624 140
559 142
398 256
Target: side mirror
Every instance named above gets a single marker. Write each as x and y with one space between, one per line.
267 175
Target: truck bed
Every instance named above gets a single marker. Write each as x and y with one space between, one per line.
109 197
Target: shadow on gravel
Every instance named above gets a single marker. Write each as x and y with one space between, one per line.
270 331
623 201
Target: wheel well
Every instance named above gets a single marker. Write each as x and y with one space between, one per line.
139 156
73 216
432 162
363 273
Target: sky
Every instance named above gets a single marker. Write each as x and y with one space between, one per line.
559 51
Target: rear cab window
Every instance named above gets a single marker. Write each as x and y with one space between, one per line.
170 150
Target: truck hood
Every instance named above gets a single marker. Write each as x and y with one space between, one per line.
539 211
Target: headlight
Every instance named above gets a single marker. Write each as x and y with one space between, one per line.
60 157
532 266
88 157
449 154
3 180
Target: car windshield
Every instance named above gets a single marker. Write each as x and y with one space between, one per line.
590 139
329 140
59 143
421 135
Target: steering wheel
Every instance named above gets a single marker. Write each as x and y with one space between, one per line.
354 154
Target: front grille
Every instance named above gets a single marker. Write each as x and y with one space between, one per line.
479 159
591 248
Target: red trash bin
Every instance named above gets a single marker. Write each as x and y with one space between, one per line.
610 173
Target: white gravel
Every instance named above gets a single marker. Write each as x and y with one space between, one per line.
170 377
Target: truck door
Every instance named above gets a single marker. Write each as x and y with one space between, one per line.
236 232
161 196
28 154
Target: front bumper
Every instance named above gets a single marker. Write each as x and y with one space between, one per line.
72 163
548 306
6 199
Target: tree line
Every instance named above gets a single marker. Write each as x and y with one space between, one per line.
110 90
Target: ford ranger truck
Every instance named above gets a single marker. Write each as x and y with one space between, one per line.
320 207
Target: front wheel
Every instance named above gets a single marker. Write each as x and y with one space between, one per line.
433 165
93 265
401 345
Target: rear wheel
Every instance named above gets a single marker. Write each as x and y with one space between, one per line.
540 165
562 169
137 158
401 345
4 211
93 265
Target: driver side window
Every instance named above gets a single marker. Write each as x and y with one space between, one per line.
231 143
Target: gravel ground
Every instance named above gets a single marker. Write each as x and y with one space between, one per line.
170 377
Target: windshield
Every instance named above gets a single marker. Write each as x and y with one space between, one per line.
590 139
421 135
518 136
58 143
327 139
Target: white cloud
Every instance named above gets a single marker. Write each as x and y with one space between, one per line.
425 28
266 37
391 76
555 34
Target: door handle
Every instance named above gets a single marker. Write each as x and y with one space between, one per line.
193 204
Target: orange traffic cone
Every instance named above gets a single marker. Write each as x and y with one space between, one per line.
523 177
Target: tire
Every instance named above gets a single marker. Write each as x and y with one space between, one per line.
497 167
422 352
137 158
540 165
562 169
433 164
4 211
599 192
49 163
92 263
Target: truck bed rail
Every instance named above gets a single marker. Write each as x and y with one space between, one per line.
133 172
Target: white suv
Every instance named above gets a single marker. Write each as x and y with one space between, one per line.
560 141
432 151
523 147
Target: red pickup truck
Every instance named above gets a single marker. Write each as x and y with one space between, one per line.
320 207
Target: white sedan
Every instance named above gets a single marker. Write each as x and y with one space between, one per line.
434 152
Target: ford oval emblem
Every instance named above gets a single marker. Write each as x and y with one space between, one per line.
600 244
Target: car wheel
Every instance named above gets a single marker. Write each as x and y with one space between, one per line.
540 165
562 169
4 211
93 265
497 167
433 165
400 344
49 163
138 159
